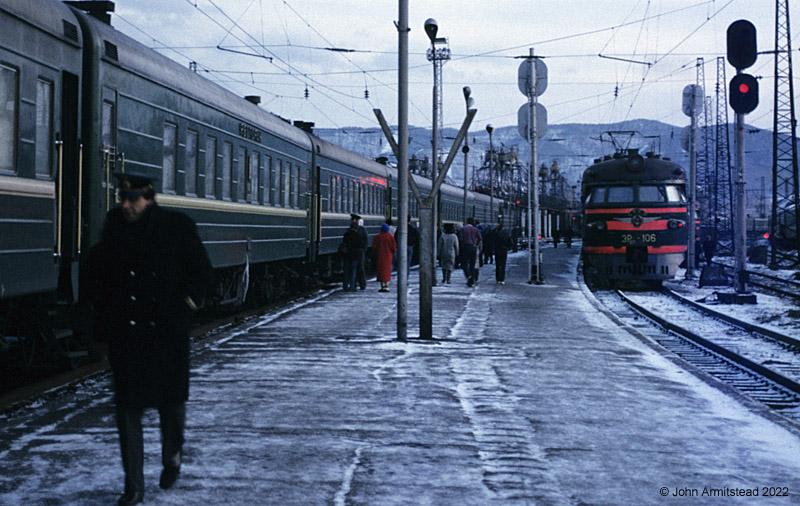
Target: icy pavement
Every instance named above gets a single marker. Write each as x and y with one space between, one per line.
529 395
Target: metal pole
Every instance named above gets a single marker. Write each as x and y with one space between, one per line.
467 92
535 145
491 174
740 218
434 168
692 191
402 170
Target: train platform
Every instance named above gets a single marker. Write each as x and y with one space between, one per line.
528 395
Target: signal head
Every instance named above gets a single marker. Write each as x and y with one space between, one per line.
743 93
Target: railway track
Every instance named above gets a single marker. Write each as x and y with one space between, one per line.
788 288
762 364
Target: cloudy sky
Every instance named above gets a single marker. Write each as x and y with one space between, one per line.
340 51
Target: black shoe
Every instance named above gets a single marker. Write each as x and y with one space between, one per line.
168 476
127 499
470 282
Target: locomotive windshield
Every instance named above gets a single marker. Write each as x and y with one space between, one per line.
663 194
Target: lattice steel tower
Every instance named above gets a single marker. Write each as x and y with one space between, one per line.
723 190
785 211
702 164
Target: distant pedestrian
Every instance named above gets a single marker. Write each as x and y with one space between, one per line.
502 243
448 252
568 237
384 247
392 228
144 277
469 239
709 247
353 247
516 233
361 268
556 236
488 244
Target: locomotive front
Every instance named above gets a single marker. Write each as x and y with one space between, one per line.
635 218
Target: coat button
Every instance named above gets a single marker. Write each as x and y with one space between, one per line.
132 323
133 298
152 324
133 274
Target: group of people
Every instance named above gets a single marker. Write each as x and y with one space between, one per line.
469 247
354 249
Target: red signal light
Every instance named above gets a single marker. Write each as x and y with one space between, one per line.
743 88
766 235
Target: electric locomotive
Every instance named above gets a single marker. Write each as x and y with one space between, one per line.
635 218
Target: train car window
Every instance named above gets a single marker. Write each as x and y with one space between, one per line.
168 159
296 186
241 177
286 184
274 182
8 118
652 193
44 128
211 166
674 194
190 181
620 195
227 166
332 195
255 162
266 166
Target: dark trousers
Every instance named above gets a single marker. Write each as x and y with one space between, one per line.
500 258
361 271
468 257
129 424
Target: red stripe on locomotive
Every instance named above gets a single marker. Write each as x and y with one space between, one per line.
655 250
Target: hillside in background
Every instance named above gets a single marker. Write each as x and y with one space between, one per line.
572 145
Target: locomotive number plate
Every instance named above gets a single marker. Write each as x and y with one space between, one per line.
637 239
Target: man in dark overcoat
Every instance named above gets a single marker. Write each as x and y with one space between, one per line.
145 276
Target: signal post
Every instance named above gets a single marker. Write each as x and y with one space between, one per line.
741 38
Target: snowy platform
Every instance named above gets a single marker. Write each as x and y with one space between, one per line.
529 395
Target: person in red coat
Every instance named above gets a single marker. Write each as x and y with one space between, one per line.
384 247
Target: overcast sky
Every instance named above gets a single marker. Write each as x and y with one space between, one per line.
280 48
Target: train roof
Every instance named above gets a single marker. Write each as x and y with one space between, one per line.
148 63
632 166
48 16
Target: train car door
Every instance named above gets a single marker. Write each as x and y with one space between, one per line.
70 193
314 212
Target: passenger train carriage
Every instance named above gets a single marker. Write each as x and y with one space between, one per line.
81 101
634 218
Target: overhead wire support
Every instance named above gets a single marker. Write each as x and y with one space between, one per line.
625 60
785 209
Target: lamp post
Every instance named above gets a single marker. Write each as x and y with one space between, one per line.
469 101
490 129
438 57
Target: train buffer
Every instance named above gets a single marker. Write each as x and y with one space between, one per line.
528 395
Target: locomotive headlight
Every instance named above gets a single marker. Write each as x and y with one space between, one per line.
675 224
597 226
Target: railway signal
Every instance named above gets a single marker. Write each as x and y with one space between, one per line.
743 99
742 44
743 93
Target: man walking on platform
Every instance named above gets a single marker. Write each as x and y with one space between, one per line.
469 238
144 277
